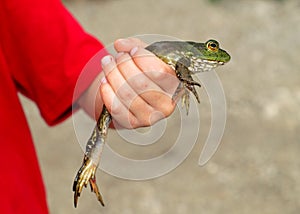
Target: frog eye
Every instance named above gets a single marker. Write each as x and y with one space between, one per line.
212 45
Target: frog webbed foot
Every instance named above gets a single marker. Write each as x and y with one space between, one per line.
86 174
185 98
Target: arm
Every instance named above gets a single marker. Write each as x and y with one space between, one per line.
46 50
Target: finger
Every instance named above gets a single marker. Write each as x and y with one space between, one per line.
124 104
158 71
120 114
125 45
132 101
117 81
145 88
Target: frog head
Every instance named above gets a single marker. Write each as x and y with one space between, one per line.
212 52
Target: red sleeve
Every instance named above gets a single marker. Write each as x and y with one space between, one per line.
46 50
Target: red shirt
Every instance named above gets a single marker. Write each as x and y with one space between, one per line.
42 53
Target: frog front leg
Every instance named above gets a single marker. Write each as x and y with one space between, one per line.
187 82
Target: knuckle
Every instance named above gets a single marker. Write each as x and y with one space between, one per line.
141 84
126 94
158 74
167 109
133 123
116 107
144 120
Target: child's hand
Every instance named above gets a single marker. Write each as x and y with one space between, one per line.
138 87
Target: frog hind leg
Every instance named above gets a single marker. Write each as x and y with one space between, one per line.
187 83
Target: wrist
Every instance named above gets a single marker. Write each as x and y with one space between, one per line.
91 101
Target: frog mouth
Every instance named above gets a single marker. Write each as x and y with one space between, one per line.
211 62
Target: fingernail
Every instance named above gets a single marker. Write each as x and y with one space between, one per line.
133 51
106 60
103 80
119 54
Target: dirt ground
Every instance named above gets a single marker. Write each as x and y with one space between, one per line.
257 167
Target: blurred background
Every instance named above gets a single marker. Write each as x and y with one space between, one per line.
257 167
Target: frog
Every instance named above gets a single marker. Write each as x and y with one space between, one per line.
186 58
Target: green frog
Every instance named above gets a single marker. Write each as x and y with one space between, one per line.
186 58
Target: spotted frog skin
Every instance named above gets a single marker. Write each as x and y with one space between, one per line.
186 58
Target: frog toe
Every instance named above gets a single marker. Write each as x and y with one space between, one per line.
85 175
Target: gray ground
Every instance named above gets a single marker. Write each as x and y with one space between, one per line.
257 167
